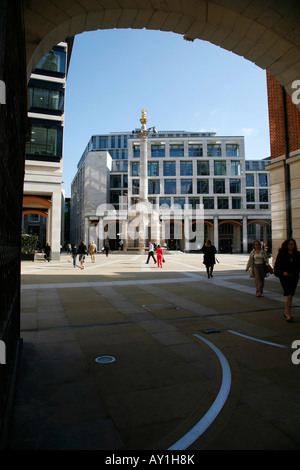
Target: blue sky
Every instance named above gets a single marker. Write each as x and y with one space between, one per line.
191 86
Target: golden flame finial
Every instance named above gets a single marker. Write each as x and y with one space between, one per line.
143 119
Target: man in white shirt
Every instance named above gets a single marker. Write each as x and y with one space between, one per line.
151 253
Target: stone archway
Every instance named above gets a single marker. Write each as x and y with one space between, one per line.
265 34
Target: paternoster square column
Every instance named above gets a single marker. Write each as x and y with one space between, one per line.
144 207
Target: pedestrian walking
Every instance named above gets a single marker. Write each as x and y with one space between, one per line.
74 254
209 258
151 253
106 249
160 256
257 262
82 252
287 268
92 251
47 255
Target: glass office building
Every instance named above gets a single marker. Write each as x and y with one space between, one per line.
185 170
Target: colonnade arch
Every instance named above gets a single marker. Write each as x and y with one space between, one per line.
266 33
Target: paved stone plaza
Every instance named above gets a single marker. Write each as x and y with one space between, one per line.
197 363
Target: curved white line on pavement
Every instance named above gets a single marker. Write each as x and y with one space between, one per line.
216 407
259 340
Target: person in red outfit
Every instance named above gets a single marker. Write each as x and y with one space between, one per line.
160 255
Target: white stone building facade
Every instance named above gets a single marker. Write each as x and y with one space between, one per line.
191 177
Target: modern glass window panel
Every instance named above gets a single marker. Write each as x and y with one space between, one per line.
179 202
53 61
135 186
250 195
176 150
263 195
42 98
232 150
203 168
153 169
169 168
165 201
46 139
194 202
153 186
223 203
202 186
219 186
208 203
115 181
235 168
262 180
250 180
214 150
135 169
157 151
136 151
236 203
195 150
235 186
220 168
186 168
170 186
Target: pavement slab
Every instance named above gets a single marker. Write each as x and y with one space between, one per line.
176 339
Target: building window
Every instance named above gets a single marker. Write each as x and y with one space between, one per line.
223 203
115 181
176 150
194 202
202 168
263 180
232 150
214 150
136 151
208 203
250 180
53 63
169 168
235 186
103 144
153 169
202 187
44 98
195 150
114 197
135 169
179 202
220 168
235 168
186 187
170 186
157 151
186 168
219 186
236 203
165 201
45 141
135 186
250 195
153 186
263 195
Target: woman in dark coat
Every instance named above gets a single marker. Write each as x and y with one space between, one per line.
209 259
287 268
82 251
